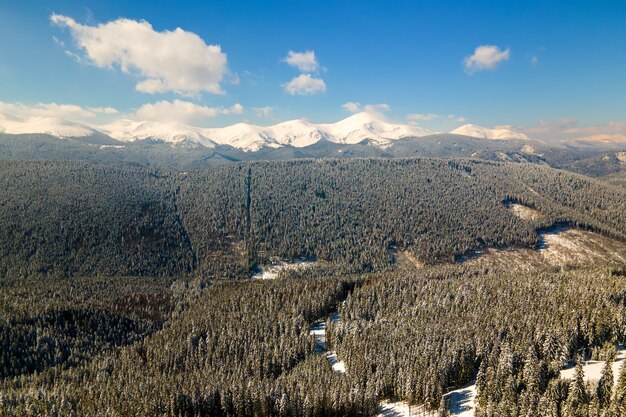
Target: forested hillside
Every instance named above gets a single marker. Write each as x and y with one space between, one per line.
72 218
128 291
241 349
184 156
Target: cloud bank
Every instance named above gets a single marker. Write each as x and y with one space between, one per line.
65 111
182 111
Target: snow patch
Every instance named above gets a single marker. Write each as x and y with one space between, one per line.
559 246
395 409
318 331
461 401
112 146
272 271
593 369
523 212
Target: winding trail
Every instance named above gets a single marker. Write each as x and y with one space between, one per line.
318 331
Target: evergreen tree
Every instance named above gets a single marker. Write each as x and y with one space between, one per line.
577 397
604 390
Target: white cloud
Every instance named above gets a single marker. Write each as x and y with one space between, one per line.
305 84
177 60
266 112
65 111
377 108
420 116
485 57
568 129
534 60
604 138
354 107
304 61
182 111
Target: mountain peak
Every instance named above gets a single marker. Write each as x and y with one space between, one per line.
488 133
54 126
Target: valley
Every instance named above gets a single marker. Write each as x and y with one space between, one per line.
333 287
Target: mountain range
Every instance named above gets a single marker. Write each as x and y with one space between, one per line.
299 133
362 135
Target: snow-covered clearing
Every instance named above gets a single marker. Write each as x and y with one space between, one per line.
272 271
559 246
524 212
593 369
461 400
578 246
318 331
460 403
394 409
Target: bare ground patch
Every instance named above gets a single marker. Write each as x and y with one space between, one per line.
524 212
407 259
558 247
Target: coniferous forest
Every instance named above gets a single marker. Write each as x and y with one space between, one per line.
132 291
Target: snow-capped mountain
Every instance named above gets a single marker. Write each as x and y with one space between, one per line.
251 138
361 126
53 126
242 136
299 133
126 130
486 133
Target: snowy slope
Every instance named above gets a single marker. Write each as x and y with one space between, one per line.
242 136
361 126
173 133
300 133
486 133
45 125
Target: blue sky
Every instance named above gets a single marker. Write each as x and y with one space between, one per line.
565 60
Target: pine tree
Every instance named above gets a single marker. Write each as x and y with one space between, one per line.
531 379
619 399
604 390
577 397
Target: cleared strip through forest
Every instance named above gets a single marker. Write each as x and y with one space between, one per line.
318 331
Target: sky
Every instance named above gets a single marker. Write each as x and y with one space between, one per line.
544 67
